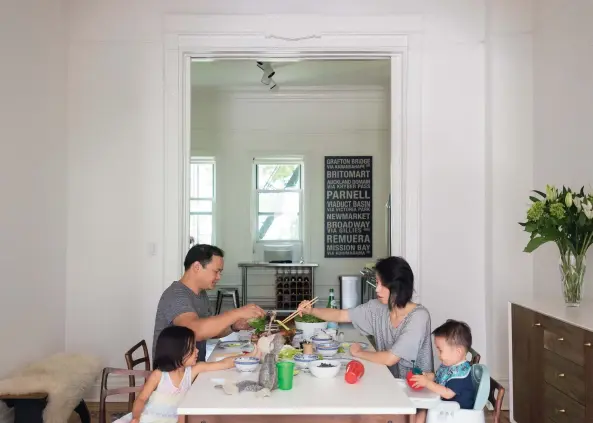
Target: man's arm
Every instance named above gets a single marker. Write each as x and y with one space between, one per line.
208 327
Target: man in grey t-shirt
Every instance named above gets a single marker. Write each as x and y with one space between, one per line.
185 302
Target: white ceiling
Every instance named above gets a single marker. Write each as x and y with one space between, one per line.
305 73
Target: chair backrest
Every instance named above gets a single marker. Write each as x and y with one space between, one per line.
132 363
495 397
481 381
475 357
106 392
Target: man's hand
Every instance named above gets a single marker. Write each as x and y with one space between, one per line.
250 311
355 349
420 381
241 324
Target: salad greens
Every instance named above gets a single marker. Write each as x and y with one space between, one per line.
287 352
258 324
307 318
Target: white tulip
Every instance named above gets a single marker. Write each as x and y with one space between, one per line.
577 202
588 209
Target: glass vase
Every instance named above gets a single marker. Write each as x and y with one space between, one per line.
572 273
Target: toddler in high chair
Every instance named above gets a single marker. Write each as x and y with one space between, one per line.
452 380
175 368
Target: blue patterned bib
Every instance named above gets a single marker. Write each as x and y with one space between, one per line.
458 371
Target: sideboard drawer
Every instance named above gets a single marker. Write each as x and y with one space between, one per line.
565 340
561 408
564 375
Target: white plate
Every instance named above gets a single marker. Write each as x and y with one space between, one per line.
233 344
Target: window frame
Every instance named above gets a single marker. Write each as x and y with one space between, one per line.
296 160
204 160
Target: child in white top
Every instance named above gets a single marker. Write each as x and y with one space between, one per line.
175 369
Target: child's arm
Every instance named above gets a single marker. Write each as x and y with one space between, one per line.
426 380
441 390
202 366
149 386
226 363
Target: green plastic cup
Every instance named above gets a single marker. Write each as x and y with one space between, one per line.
285 375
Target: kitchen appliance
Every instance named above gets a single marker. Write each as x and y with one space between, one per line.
350 291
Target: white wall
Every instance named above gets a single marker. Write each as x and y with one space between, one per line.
509 166
236 126
116 146
563 129
33 180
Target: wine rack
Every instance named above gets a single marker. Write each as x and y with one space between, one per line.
293 285
287 286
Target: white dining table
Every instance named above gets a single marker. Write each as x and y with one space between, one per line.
376 397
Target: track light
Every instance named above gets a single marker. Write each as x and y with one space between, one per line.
268 74
267 78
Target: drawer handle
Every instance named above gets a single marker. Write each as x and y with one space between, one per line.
587 344
537 324
560 339
562 410
560 374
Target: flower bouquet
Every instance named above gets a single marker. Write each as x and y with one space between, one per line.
564 217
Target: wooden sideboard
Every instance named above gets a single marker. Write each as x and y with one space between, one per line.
551 362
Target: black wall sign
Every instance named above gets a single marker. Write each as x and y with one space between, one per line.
348 206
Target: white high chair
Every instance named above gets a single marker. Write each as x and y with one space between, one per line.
450 412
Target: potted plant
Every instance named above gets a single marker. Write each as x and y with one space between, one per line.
564 217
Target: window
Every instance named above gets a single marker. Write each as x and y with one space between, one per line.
201 201
278 199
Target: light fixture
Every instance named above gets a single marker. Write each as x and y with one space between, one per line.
267 78
269 73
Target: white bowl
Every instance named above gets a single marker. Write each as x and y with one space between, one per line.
316 341
309 329
324 372
328 350
246 364
302 360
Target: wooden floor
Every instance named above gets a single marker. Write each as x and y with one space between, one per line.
117 409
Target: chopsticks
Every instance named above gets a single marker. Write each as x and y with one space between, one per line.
295 314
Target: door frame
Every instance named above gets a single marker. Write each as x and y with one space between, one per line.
396 37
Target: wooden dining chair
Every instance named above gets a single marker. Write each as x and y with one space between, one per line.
495 398
106 392
475 357
132 363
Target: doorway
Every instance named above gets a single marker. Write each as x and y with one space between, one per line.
262 135
297 38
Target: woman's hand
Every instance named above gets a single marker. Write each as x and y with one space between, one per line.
135 420
305 307
420 381
355 349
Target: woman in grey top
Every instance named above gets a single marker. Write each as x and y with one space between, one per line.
400 327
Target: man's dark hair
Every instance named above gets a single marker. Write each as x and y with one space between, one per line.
455 333
201 253
397 276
